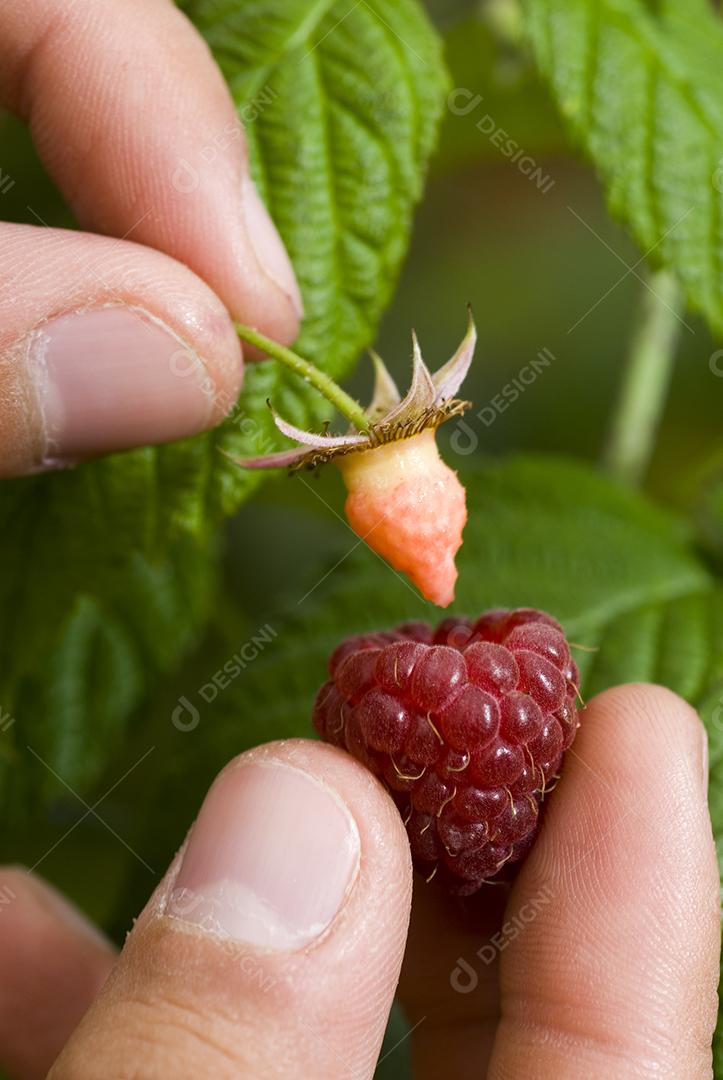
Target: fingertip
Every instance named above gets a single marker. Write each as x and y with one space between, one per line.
53 962
288 906
174 176
637 720
107 346
272 255
646 698
35 896
621 897
119 376
302 830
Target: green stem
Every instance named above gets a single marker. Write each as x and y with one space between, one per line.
647 376
346 405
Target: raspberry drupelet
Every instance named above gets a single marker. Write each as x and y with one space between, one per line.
466 725
411 508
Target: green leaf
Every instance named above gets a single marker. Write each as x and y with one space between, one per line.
708 508
620 575
341 103
80 669
493 78
639 86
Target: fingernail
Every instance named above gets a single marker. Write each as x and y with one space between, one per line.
114 378
269 860
268 245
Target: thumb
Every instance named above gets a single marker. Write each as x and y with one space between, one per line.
104 345
273 945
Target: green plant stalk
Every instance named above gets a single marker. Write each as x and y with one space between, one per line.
346 405
644 389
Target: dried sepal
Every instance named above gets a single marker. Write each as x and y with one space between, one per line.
429 401
419 399
310 438
386 395
451 375
284 459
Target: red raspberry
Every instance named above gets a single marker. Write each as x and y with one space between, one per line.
466 725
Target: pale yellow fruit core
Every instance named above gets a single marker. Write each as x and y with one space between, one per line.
410 508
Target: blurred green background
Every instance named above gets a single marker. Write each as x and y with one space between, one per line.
538 278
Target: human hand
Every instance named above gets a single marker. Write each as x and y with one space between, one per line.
273 945
125 338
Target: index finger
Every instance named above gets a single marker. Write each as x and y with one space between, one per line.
614 966
133 120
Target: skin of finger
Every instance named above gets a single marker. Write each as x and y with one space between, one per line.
133 120
53 964
613 971
188 1004
51 272
449 986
